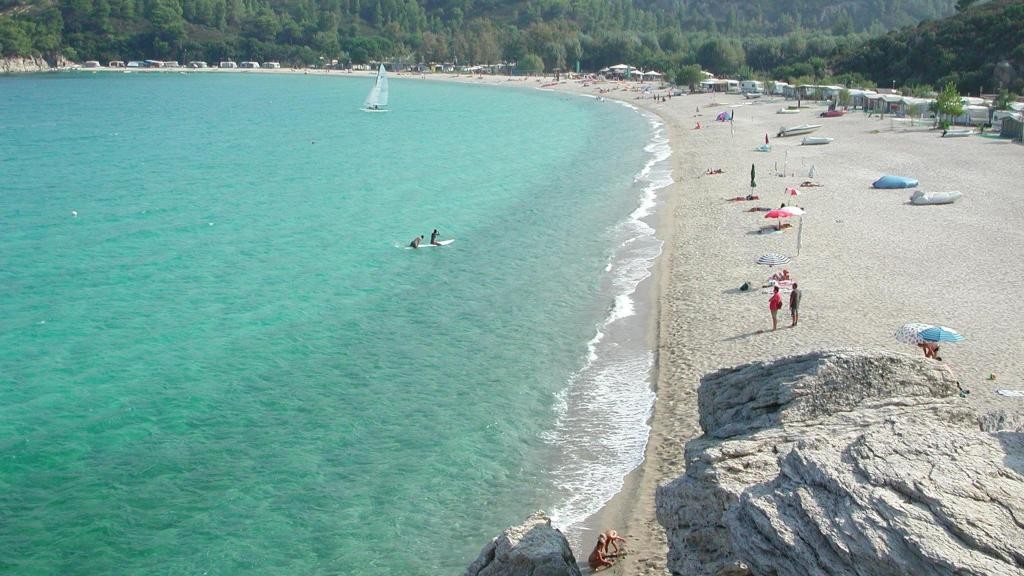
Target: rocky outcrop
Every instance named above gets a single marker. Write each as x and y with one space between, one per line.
845 462
18 65
530 549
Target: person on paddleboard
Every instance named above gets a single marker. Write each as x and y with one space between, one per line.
433 237
416 241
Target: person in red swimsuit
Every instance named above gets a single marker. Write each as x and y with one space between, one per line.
774 304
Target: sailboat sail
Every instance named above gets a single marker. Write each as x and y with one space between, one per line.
377 99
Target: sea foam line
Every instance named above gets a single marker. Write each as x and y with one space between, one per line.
601 417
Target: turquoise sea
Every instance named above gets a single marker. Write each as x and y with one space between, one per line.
218 357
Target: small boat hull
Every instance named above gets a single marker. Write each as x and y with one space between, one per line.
788 111
815 140
890 182
959 133
797 130
921 198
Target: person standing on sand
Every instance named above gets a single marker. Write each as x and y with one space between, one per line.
773 306
794 304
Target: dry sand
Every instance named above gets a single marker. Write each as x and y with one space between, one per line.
869 261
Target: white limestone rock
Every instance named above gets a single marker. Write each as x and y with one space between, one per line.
18 65
533 548
845 462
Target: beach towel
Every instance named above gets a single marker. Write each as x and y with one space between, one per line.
1014 393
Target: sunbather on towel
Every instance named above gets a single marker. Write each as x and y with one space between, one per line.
743 198
760 209
809 184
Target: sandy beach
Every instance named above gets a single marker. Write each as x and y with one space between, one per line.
868 261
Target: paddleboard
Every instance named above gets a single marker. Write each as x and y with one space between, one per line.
429 245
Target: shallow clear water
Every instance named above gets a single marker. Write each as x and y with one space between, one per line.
217 355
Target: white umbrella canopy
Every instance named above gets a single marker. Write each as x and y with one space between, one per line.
772 259
911 333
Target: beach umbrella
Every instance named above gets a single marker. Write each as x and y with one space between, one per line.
940 334
765 137
773 259
810 173
792 192
780 213
911 333
752 174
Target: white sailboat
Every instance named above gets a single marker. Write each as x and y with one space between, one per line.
377 99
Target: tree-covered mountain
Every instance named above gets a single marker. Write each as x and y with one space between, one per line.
981 48
667 34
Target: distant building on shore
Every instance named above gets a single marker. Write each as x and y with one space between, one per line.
198 64
227 64
272 65
249 64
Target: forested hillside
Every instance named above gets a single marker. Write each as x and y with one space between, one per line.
981 48
789 37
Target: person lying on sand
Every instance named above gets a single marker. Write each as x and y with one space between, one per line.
760 209
714 171
809 184
743 198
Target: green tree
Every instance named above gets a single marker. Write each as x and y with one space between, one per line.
1003 100
13 40
948 104
689 75
530 64
962 5
720 55
844 97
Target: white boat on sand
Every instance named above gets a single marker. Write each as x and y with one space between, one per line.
811 140
801 129
789 111
957 132
921 197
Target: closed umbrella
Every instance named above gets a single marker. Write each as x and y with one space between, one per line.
752 174
940 334
773 259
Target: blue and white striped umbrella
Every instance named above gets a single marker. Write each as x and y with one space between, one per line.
773 259
940 334
911 333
